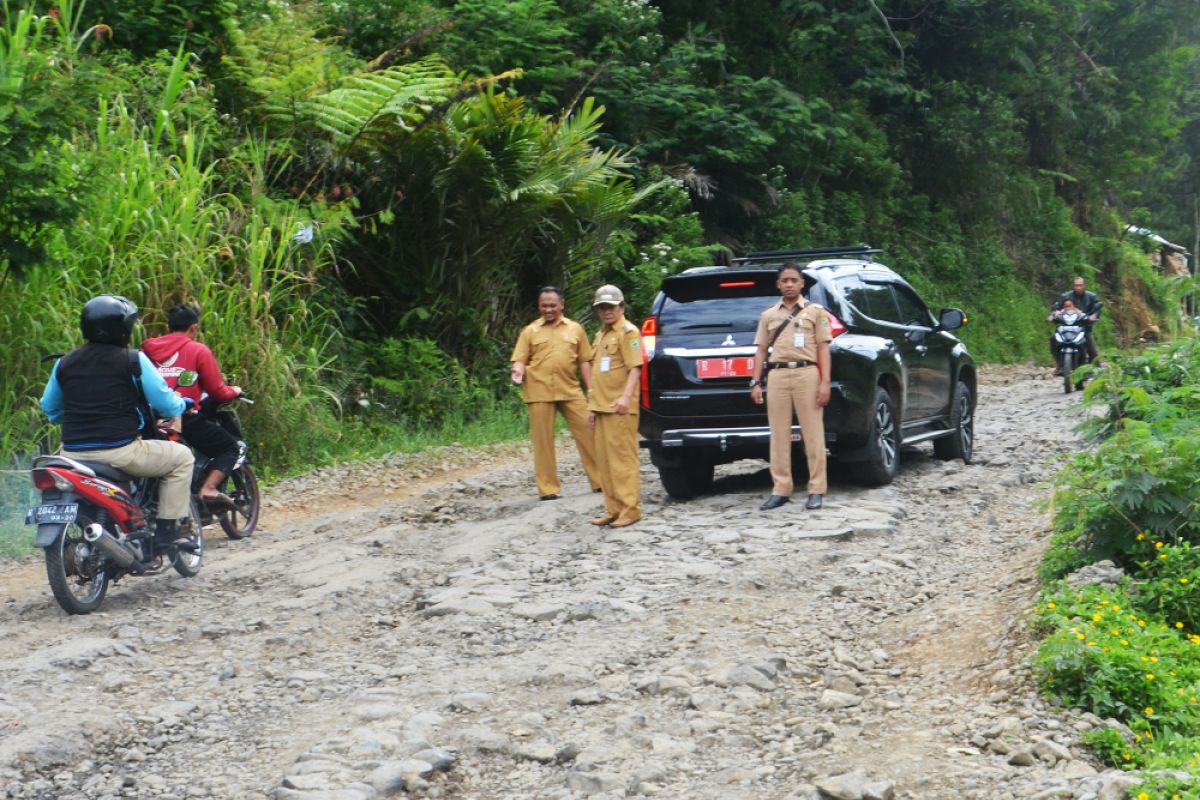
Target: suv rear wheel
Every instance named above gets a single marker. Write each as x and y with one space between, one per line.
687 480
961 443
883 446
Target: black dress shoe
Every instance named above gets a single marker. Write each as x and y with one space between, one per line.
774 501
814 501
549 497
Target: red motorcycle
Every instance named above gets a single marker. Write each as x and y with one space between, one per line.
95 525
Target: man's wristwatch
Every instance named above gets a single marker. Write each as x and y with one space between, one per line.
754 382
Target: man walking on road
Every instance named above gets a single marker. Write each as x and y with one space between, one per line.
613 409
549 356
793 345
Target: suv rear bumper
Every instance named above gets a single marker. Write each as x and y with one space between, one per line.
721 444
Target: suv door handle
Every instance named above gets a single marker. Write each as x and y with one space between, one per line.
922 349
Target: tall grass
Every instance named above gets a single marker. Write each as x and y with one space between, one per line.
158 228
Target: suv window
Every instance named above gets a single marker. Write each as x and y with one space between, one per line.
871 299
720 300
734 313
912 310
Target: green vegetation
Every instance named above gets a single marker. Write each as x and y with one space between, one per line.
1133 652
364 195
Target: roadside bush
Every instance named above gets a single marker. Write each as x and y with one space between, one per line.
1172 573
414 381
1115 660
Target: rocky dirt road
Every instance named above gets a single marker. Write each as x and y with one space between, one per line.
427 627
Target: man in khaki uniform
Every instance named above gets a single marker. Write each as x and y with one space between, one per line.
549 354
613 409
797 334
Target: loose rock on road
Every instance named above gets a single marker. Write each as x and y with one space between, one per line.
423 626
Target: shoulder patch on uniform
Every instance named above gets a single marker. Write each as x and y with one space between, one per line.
633 344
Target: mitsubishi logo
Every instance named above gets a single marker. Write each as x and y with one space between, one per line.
728 341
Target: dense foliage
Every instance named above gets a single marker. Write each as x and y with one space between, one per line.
1132 652
359 191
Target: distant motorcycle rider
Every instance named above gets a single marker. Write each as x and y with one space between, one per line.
1088 303
190 368
93 392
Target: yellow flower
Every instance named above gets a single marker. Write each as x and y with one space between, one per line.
1158 545
1141 623
1164 555
1184 581
1125 643
1116 608
1149 711
1096 617
1149 676
1141 537
1091 644
1154 659
1143 796
1051 605
1178 624
1080 636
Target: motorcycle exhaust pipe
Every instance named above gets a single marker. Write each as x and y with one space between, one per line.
114 549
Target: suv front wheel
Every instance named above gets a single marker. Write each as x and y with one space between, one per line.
687 480
961 443
883 446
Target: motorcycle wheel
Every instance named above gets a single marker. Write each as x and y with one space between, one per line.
242 519
1068 366
79 581
185 563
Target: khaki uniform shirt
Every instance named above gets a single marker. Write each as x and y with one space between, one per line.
799 341
552 355
614 353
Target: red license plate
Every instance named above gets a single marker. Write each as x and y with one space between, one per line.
709 368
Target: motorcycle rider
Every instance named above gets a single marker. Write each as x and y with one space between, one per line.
190 368
1089 304
93 393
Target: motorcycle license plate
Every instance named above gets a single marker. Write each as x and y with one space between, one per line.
61 512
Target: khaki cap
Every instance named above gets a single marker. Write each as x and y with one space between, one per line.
608 295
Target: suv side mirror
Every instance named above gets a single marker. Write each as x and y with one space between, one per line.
952 319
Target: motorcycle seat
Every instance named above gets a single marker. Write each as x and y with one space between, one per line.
108 471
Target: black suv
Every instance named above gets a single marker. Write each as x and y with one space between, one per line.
899 375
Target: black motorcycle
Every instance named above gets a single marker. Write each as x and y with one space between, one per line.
240 484
1070 336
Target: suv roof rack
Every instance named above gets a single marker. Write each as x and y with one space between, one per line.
862 251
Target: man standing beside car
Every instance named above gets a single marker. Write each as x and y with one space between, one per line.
550 355
613 409
793 346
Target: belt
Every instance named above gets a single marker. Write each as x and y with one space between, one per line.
790 364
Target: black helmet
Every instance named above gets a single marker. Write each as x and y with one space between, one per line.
108 319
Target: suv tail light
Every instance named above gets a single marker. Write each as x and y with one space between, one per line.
649 338
649 335
836 326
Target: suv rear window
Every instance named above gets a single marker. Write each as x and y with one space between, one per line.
722 300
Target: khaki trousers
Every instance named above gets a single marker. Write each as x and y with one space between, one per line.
156 458
795 390
619 465
541 433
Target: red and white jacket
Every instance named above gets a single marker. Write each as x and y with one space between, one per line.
177 353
